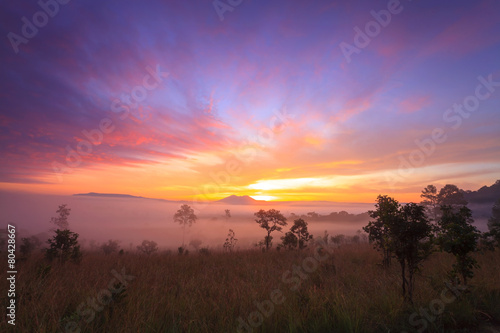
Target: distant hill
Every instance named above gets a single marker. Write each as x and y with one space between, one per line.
117 195
485 195
109 195
241 200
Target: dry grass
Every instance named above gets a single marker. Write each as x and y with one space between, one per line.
348 292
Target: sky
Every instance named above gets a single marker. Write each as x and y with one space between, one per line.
279 100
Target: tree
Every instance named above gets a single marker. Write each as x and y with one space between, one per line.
227 214
338 239
289 241
457 235
430 200
62 220
110 247
64 246
494 222
299 229
410 239
29 245
451 195
148 247
230 242
185 216
386 213
271 220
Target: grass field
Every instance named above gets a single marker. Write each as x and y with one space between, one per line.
342 290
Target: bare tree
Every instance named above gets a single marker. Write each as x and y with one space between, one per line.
230 241
62 220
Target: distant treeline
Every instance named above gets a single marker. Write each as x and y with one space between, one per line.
341 216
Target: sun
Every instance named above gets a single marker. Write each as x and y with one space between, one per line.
263 197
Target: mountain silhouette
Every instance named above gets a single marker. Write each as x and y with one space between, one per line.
240 200
486 194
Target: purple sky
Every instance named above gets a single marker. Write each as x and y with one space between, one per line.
353 121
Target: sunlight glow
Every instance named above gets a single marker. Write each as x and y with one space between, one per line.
263 197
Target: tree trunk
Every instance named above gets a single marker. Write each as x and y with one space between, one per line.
403 277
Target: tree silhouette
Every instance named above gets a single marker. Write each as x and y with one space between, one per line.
230 242
289 241
430 200
494 222
451 195
271 220
62 220
299 230
185 216
29 245
457 235
148 247
386 213
227 214
410 239
64 246
110 247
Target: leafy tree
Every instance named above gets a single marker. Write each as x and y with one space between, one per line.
289 241
227 214
230 242
449 195
299 229
271 220
185 216
494 222
64 246
61 221
386 213
110 247
338 239
410 239
355 239
148 247
457 235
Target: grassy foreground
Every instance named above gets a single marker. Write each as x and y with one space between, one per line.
345 291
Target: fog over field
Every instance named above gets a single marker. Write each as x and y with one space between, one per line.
132 220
